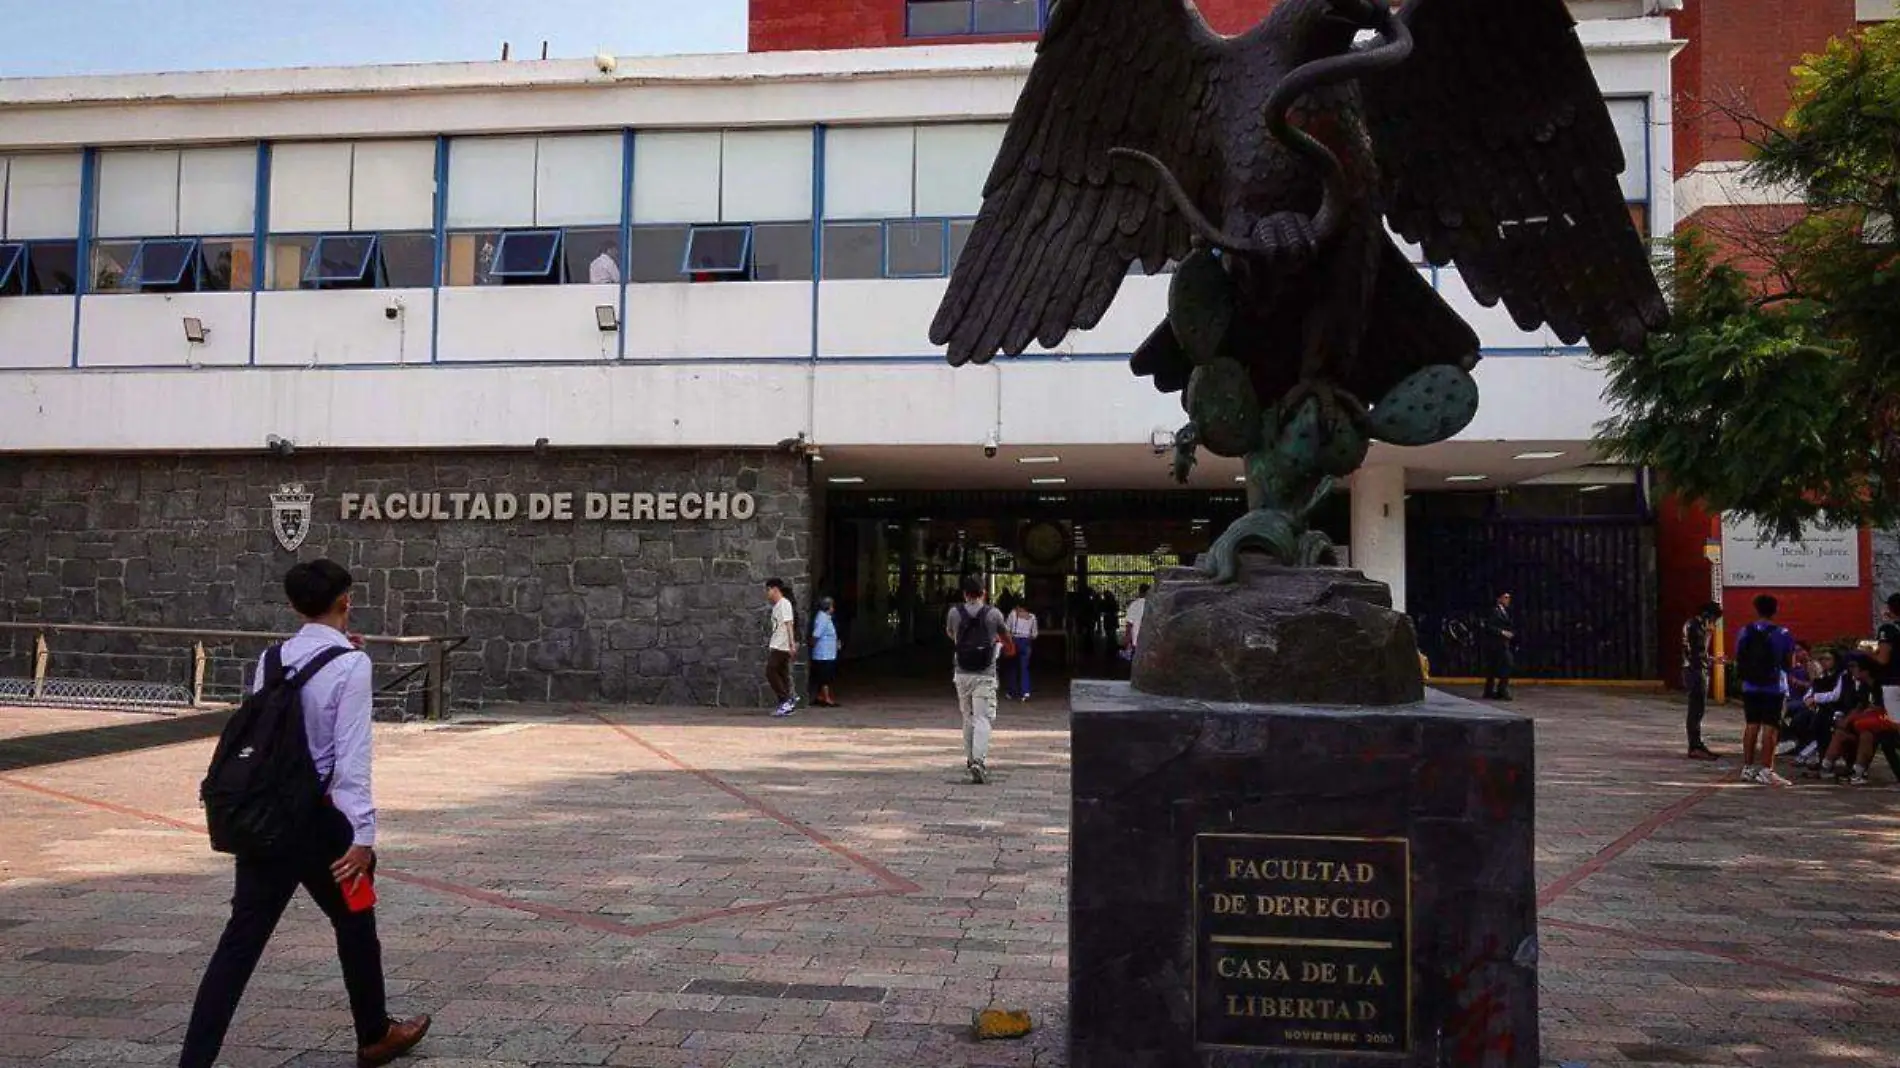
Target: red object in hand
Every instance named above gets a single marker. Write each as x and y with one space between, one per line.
360 894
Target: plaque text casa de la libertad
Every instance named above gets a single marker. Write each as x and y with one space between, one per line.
1303 943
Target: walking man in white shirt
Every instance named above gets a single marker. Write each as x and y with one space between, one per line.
780 647
981 635
341 840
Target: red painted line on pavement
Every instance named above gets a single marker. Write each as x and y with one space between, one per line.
107 806
1636 835
1884 990
598 923
488 897
893 881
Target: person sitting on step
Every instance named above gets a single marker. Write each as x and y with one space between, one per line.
1861 729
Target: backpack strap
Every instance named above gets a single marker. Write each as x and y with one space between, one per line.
315 664
273 666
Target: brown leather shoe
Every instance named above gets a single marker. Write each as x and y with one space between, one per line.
401 1038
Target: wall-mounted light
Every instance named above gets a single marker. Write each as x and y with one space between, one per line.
195 330
607 318
277 446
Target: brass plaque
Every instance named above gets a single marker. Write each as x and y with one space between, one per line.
1303 944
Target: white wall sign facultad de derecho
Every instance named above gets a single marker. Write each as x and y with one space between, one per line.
1822 559
291 508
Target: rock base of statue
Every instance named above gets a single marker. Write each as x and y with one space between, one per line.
1300 886
1322 636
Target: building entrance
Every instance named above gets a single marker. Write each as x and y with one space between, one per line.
893 561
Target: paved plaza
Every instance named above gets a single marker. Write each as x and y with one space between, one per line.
690 887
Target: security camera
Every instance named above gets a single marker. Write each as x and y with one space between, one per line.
991 447
605 62
393 309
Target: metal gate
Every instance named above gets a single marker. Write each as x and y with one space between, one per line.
1584 593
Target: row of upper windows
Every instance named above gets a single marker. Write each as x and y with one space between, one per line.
962 18
700 205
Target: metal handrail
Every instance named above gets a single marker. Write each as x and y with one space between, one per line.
434 667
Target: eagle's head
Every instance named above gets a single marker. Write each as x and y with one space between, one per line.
1318 28
1360 14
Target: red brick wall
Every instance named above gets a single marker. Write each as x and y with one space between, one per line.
787 25
1741 51
1683 577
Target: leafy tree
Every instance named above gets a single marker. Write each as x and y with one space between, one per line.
1777 391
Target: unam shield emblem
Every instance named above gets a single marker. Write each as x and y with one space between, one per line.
290 515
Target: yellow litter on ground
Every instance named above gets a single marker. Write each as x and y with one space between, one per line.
1002 1023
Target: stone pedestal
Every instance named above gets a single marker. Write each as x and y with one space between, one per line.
1300 886
1311 635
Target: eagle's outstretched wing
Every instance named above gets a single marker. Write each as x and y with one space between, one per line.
1497 153
1060 222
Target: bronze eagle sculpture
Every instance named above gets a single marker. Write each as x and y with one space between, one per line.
1267 167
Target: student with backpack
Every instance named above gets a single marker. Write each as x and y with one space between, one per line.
1764 653
288 795
980 633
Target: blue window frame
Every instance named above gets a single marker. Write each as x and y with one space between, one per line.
718 250
916 248
164 261
526 254
12 256
341 258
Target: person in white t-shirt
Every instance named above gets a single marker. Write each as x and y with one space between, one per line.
605 269
1131 628
781 646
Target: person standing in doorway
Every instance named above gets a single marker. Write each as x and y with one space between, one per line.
1500 654
1023 630
1137 611
980 634
781 646
1764 653
1698 655
336 850
824 653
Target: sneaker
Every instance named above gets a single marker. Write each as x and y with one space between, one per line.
1768 777
1787 748
1751 774
1702 754
978 773
783 710
1859 778
1812 753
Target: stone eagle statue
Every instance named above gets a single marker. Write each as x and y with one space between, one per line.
1268 166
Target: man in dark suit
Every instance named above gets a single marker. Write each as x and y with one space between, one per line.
1500 635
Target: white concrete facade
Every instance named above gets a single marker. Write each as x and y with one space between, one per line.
844 362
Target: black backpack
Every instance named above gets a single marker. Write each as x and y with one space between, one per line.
976 650
262 787
1755 656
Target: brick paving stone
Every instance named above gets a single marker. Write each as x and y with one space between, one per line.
668 887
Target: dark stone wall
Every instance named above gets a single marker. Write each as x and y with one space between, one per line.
1152 775
648 612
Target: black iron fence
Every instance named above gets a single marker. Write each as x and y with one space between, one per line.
93 665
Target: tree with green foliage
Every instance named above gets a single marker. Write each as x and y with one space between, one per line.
1776 392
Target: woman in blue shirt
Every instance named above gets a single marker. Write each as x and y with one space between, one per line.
824 654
